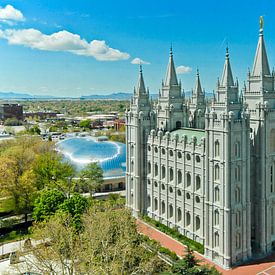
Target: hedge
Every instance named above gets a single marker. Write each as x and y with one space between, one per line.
174 233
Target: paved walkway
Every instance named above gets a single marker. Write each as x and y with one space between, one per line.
261 267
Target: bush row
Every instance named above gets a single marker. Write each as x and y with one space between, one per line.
174 233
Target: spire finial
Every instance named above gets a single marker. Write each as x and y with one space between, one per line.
198 72
140 68
171 49
227 51
261 23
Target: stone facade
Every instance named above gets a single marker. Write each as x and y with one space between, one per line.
207 169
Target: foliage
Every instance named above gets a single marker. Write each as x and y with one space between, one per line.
108 244
51 171
91 177
189 265
47 204
175 234
85 123
75 206
17 177
12 122
34 130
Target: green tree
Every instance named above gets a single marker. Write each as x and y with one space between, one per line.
91 177
85 123
35 130
51 171
75 206
47 203
107 244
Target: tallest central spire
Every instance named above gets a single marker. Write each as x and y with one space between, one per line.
261 66
171 76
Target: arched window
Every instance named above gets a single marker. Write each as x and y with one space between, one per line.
237 195
238 218
149 201
163 172
179 215
156 149
178 124
216 217
156 169
132 165
163 151
179 155
197 199
237 173
163 187
198 182
171 189
217 148
148 182
188 196
179 193
188 156
216 239
216 194
156 183
179 177
188 179
171 153
188 218
155 204
238 240
198 159
217 172
171 174
170 211
272 140
162 207
237 149
198 223
149 167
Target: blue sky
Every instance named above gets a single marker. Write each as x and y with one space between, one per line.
74 48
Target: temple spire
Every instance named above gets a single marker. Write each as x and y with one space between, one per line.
140 85
198 89
261 66
171 76
227 77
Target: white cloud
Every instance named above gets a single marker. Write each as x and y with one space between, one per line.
63 41
138 61
183 69
9 14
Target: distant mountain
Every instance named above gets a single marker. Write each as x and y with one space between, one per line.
112 96
127 96
13 95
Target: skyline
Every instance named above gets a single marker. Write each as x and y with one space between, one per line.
49 48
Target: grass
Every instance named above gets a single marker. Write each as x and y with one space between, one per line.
6 205
15 236
175 234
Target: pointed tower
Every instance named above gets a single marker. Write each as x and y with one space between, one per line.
170 108
228 174
260 80
197 105
139 121
259 97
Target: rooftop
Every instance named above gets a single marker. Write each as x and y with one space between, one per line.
190 133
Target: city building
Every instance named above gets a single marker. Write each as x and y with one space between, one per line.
207 169
11 111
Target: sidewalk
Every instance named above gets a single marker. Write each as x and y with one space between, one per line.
260 267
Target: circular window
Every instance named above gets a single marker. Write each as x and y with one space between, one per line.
163 151
163 187
149 148
171 153
188 157
179 193
179 155
198 199
198 159
156 149
171 189
188 196
156 184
